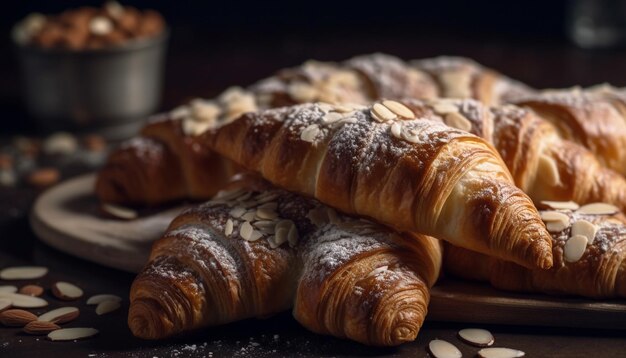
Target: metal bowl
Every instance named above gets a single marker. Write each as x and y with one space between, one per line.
105 88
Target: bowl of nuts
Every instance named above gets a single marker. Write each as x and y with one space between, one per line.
92 68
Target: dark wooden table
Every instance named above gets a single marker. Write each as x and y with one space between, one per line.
202 64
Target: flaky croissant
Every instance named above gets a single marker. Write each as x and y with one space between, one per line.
251 254
593 118
589 253
414 175
543 165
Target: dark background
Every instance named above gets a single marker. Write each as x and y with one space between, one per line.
216 44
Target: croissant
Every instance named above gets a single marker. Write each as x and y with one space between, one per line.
413 175
252 254
168 162
589 250
543 165
592 118
462 78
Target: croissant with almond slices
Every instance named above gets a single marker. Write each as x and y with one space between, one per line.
589 250
255 253
414 175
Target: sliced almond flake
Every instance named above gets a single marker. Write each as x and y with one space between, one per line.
500 352
60 315
249 216
272 241
237 212
348 120
228 228
548 171
443 349
550 215
586 229
256 234
382 113
24 301
8 289
445 107
310 133
396 130
561 205
343 108
332 117
598 209
409 136
575 248
556 226
194 128
245 230
229 194
457 120
266 214
266 226
399 109
204 111
105 307
96 299
292 236
281 235
66 291
267 196
71 334
477 337
23 272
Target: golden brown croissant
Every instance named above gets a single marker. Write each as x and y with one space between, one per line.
594 119
167 161
543 165
251 254
589 253
381 162
462 78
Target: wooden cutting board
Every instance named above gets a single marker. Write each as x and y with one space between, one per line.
67 218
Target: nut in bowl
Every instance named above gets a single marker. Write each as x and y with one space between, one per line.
92 67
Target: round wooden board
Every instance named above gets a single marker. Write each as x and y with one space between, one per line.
67 217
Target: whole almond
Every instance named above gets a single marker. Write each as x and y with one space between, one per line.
31 290
60 315
16 318
66 291
40 327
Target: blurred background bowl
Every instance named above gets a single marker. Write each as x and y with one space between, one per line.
109 90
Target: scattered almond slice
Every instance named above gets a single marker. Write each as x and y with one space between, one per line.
23 272
575 248
40 327
548 171
561 205
332 117
5 303
444 107
245 231
16 318
105 307
584 228
70 334
400 109
457 120
8 289
382 113
556 226
60 315
237 212
119 212
443 349
31 290
96 299
266 214
598 209
310 133
550 215
228 227
396 129
500 353
66 291
24 301
477 337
